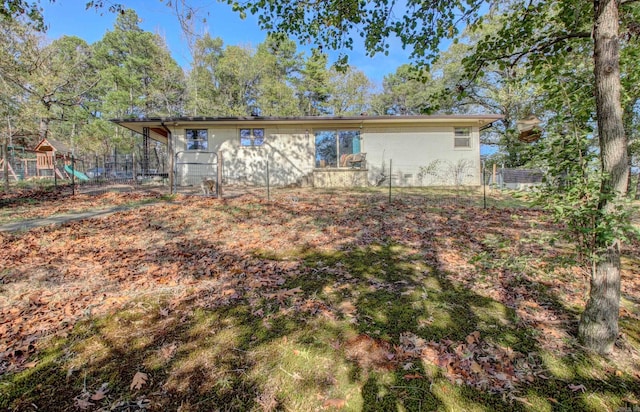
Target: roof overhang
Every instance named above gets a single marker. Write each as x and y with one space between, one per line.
158 127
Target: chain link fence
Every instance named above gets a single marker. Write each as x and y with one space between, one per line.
197 173
441 182
92 173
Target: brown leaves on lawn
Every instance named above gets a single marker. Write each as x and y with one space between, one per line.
45 202
246 250
474 362
87 399
370 353
334 404
283 294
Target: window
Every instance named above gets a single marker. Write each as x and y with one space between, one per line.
332 146
251 137
197 139
462 137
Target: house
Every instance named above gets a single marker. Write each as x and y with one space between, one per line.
321 151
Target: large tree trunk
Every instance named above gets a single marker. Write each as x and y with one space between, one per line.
598 327
43 131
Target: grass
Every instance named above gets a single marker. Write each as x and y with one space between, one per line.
467 196
330 302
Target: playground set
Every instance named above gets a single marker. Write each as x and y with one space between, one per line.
49 159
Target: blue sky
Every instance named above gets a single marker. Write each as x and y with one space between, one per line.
69 17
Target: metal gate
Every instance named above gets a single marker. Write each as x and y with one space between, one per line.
191 169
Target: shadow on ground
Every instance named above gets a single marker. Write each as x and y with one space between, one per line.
367 315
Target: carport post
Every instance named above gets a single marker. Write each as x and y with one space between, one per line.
133 168
174 187
172 160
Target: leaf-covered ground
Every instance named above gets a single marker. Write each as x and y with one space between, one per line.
41 202
310 301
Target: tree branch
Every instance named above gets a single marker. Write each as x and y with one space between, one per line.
544 46
516 56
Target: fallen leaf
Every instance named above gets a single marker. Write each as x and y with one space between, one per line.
475 367
411 376
83 404
30 365
334 403
473 337
282 295
168 351
100 393
576 388
138 381
501 376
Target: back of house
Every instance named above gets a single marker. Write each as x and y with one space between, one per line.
441 150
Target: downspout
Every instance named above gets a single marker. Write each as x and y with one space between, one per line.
171 155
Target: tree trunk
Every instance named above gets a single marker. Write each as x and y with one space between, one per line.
598 327
43 131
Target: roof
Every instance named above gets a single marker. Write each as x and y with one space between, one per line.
159 126
57 146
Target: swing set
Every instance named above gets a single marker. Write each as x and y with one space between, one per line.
51 159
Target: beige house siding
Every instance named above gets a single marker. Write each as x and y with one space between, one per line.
422 156
290 153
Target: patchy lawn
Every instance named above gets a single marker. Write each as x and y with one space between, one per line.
313 301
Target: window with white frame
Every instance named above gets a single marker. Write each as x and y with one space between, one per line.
462 137
251 137
197 139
